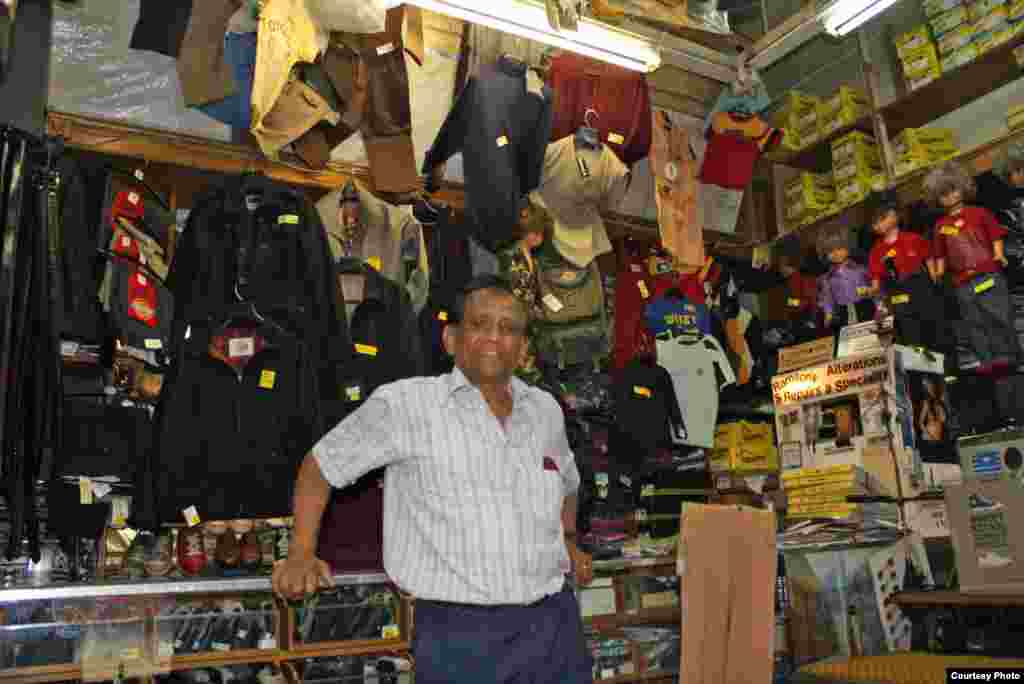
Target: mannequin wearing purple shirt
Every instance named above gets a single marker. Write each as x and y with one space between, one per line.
846 283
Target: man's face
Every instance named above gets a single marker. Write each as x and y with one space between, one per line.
489 342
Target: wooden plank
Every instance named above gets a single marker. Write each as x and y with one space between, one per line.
956 598
674 102
672 79
806 14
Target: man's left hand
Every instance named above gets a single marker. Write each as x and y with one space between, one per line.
582 564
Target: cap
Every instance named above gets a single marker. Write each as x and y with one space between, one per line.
127 204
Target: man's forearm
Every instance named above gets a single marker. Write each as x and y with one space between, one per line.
311 494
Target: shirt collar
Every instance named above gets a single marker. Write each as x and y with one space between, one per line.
457 381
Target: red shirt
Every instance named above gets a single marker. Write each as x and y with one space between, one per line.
965 240
909 251
801 295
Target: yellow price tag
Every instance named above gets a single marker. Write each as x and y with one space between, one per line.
354 393
641 391
951 231
367 349
191 516
863 291
891 253
985 286
502 141
290 219
644 292
959 223
375 263
616 139
390 632
267 379
795 303
84 490
901 299
442 315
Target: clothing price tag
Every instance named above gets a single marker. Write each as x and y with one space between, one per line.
901 299
390 632
354 393
241 346
644 292
641 391
133 197
442 315
863 291
375 263
126 241
985 286
366 349
267 642
552 302
119 511
607 673
951 231
891 253
166 649
141 279
139 175
289 219
615 139
191 516
581 164
501 141
220 646
84 490
385 49
793 302
267 379
68 348
153 343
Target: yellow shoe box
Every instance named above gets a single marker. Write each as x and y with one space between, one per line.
954 40
922 80
921 61
957 58
842 109
744 448
799 112
934 7
1015 117
857 169
812 190
854 145
980 8
912 40
1015 10
856 190
992 21
947 21
925 143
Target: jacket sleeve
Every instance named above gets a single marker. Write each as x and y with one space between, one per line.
533 157
330 327
452 136
677 425
185 269
409 337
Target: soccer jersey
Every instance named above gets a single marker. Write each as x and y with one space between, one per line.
699 370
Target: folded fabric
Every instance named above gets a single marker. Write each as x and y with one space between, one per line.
236 110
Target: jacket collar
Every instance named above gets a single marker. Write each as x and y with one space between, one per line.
458 382
511 66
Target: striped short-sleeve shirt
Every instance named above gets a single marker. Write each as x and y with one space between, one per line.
472 510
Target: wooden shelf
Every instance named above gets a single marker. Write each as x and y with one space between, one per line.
647 616
954 89
818 157
657 675
956 598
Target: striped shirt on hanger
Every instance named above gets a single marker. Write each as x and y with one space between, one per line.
472 510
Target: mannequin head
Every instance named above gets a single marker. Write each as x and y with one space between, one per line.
535 225
885 216
1011 166
834 247
949 186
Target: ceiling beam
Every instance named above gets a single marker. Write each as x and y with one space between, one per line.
787 36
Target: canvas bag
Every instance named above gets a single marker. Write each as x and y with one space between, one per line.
574 329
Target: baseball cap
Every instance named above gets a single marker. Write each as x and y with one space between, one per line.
128 204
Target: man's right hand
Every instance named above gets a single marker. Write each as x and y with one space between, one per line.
296 578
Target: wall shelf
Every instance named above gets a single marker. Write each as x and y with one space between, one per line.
818 156
956 598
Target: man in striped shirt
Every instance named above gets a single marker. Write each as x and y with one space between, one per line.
479 506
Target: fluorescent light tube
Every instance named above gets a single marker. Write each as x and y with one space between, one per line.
531 21
844 16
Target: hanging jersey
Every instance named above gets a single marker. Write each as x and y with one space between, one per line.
699 371
677 316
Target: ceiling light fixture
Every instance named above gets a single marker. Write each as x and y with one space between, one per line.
844 16
530 20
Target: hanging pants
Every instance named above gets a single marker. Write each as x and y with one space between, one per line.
728 594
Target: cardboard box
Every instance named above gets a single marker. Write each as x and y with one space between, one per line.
913 39
947 21
956 59
744 448
834 414
986 518
993 21
927 518
864 169
955 39
934 7
851 192
854 145
994 456
980 8
814 190
844 108
922 80
921 61
929 145
799 113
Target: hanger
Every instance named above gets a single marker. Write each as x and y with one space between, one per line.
586 134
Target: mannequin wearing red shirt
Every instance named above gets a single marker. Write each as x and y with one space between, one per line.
801 299
901 267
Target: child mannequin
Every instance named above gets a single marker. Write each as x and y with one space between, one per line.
519 267
968 243
844 293
801 298
901 266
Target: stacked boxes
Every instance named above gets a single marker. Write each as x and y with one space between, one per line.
809 194
856 167
1015 117
744 448
956 39
917 148
943 23
935 7
799 117
822 493
920 57
842 109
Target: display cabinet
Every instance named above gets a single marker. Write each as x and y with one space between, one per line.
137 629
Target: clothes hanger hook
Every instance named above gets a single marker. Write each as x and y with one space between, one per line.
587 114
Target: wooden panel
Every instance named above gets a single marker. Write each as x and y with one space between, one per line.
672 79
675 102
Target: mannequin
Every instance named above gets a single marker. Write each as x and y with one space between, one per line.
845 291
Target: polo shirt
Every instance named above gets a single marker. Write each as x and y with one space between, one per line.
909 252
699 370
472 509
965 241
801 295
